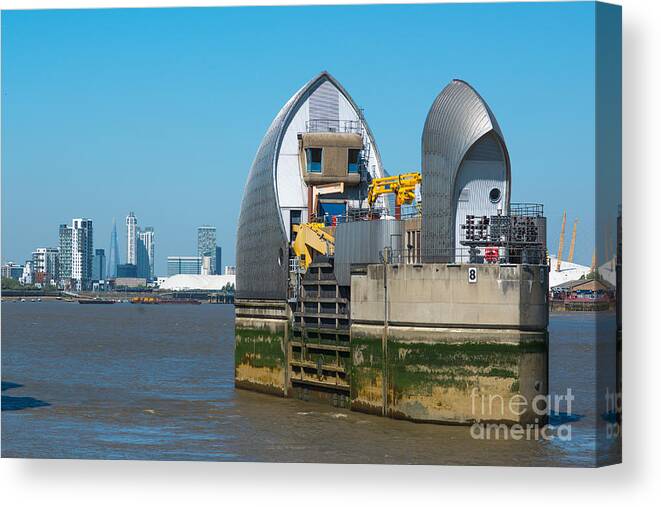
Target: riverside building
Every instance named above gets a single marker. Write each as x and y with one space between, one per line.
82 244
46 264
76 254
184 265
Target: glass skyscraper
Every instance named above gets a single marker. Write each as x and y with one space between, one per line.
206 244
219 260
113 258
99 266
145 253
188 265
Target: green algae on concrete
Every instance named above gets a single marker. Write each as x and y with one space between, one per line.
438 380
366 374
260 359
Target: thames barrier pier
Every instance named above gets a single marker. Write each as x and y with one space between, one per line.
420 296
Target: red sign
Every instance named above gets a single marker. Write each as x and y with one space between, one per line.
491 254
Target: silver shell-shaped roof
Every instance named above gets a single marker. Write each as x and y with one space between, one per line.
457 119
262 250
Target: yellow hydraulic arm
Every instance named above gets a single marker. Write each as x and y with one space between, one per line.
311 237
402 185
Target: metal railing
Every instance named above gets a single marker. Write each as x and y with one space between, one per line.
412 211
526 209
329 125
484 255
408 212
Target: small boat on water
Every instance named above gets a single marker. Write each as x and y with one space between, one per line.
96 301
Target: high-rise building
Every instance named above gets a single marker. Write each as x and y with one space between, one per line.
45 262
145 253
64 275
206 244
131 239
82 252
99 265
113 258
184 265
230 270
219 260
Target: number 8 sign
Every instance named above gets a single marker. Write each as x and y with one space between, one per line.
472 275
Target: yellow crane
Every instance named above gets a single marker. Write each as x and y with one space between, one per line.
573 243
562 241
309 237
402 185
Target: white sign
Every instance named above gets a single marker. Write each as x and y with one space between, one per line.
472 275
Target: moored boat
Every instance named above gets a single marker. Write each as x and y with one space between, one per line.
96 301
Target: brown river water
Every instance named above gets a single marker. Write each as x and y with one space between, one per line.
155 382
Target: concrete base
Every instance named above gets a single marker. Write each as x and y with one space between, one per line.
260 357
426 345
464 343
454 376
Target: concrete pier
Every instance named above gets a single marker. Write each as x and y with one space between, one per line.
441 343
260 350
456 351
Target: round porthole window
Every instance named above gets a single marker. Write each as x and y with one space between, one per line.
494 195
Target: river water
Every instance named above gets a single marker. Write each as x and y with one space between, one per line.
156 382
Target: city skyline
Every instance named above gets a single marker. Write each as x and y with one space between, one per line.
144 250
159 261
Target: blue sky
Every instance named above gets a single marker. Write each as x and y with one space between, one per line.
160 111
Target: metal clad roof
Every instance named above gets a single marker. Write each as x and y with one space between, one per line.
324 103
456 120
262 250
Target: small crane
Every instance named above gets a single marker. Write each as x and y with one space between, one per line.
309 237
402 185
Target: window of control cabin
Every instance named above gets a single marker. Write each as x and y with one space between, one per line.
353 161
313 157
